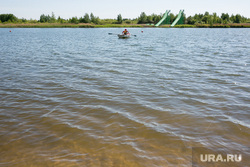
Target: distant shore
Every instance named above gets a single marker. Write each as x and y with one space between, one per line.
84 25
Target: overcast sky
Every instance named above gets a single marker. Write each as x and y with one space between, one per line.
127 8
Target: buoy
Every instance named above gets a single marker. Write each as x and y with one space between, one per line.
10 30
141 31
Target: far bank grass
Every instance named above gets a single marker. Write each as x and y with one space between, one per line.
82 25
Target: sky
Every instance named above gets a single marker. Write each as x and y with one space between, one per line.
105 9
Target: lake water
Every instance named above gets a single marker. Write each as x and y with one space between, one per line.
81 97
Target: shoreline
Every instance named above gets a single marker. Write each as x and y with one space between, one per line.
82 25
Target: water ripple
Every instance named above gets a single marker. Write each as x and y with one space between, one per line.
81 97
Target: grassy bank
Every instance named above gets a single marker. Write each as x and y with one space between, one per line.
44 25
232 25
82 25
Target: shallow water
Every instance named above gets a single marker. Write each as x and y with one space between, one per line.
81 97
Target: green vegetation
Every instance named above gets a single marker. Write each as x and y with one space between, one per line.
119 19
151 19
10 18
215 19
205 20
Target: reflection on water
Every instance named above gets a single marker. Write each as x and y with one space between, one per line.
81 97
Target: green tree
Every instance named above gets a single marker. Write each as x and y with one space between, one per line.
52 18
81 20
219 20
44 18
198 18
184 18
23 20
238 18
150 19
172 17
205 19
74 20
8 18
232 18
225 16
92 17
61 20
243 19
156 18
190 20
119 19
142 18
215 18
86 18
210 20
95 20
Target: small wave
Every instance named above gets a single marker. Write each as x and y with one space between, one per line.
238 122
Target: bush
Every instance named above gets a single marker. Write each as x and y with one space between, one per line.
128 22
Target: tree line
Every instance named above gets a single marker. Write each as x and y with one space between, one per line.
85 19
205 18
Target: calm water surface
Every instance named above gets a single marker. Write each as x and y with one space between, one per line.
81 97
